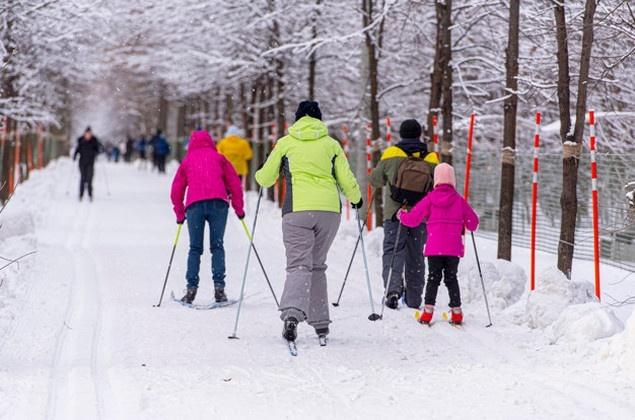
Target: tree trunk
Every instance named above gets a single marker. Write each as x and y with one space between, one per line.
571 142
506 207
313 58
436 77
446 108
373 63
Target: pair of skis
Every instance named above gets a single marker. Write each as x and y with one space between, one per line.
204 306
293 349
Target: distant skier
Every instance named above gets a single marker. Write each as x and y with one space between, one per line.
141 145
210 181
315 168
407 169
88 147
447 215
160 150
129 148
237 150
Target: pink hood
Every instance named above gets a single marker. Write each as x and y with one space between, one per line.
446 214
206 175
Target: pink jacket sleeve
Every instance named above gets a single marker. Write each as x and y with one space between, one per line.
470 218
416 215
234 187
179 184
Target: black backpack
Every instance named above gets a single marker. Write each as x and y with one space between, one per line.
414 179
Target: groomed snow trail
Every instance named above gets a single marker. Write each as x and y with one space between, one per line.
88 343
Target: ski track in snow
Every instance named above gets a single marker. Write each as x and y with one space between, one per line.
89 345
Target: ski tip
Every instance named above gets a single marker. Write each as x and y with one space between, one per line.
417 315
445 316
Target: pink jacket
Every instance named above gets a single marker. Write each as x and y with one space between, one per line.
446 214
206 175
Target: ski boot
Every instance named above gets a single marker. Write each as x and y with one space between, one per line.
426 315
392 300
290 329
322 333
457 316
219 295
190 294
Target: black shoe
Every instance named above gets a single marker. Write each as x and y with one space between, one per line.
219 295
189 295
290 329
392 301
322 332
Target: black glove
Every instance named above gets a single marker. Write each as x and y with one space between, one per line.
240 215
358 205
180 222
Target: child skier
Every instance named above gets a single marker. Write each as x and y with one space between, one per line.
447 215
211 182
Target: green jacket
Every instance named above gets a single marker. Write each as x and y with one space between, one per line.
314 166
386 171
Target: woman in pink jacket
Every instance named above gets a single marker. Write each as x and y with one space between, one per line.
447 215
211 182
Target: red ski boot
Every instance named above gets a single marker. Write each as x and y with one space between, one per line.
457 316
426 315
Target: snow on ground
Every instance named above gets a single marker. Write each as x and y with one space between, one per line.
80 338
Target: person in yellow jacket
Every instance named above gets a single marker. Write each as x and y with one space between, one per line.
237 150
408 263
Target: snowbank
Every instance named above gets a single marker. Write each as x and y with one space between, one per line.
505 283
553 294
584 322
621 348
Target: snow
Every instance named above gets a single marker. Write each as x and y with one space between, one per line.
82 340
556 292
584 322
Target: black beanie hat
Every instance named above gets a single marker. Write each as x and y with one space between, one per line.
410 129
310 108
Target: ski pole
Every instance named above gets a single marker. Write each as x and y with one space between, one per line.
167 274
390 269
348 270
253 245
374 316
480 273
242 287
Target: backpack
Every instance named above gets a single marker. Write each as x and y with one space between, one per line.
414 179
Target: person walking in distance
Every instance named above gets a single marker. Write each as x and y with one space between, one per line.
160 150
237 150
211 183
315 169
88 147
447 215
407 169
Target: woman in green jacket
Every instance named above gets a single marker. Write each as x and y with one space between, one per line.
316 170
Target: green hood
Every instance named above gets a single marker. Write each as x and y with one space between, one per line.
308 128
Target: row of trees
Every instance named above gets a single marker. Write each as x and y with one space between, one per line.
250 61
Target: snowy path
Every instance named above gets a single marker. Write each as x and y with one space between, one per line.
87 343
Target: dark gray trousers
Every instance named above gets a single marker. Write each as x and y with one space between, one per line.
409 261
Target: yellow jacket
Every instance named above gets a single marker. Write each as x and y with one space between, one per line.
237 151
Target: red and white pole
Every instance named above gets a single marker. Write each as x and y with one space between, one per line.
435 135
369 168
388 131
534 204
347 149
17 159
594 197
468 157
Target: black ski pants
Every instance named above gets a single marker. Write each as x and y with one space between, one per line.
87 171
160 161
446 268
